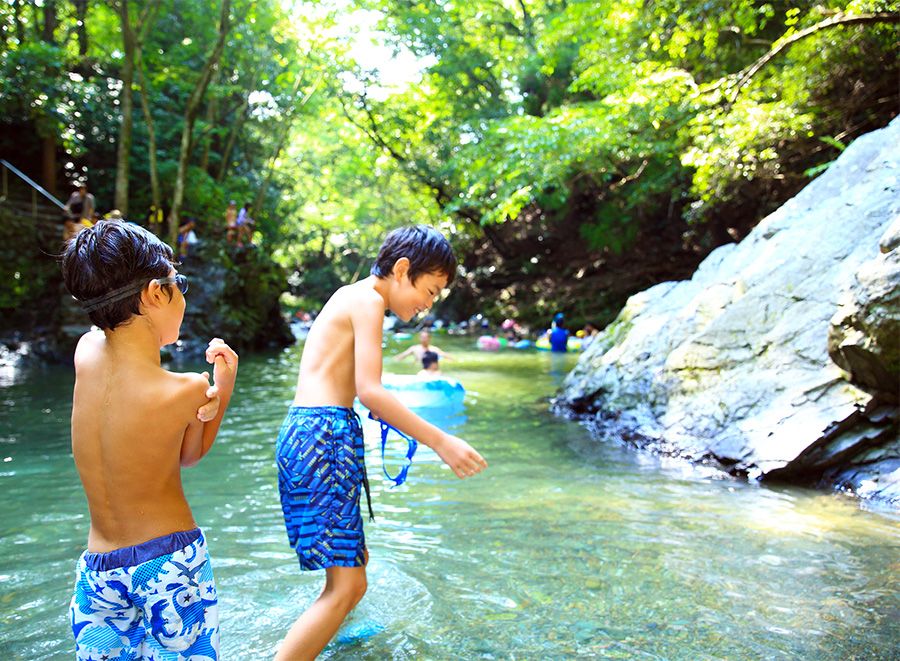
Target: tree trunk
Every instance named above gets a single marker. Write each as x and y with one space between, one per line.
190 114
211 111
285 131
50 21
241 116
48 164
17 18
155 192
125 104
81 7
48 142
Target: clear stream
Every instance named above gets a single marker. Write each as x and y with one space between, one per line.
565 548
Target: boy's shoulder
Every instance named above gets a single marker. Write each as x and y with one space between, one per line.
188 387
357 297
88 344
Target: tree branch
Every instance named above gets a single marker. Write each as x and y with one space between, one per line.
744 76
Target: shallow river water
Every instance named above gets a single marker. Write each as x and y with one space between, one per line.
564 548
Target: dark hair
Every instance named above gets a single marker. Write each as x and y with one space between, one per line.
111 255
429 358
426 249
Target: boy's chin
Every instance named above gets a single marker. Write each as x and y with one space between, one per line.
404 318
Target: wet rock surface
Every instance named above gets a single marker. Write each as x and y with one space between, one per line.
778 359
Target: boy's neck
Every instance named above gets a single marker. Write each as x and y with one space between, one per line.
137 338
382 286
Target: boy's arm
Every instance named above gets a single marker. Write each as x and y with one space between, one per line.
200 436
365 318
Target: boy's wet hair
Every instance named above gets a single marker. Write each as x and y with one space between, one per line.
111 255
426 249
429 358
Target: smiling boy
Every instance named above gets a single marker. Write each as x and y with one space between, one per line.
320 451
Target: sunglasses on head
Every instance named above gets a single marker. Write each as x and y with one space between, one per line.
179 280
122 293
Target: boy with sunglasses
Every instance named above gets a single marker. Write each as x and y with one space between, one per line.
144 587
320 452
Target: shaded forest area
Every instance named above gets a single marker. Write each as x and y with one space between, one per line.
576 152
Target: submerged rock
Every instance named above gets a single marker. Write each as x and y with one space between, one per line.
735 365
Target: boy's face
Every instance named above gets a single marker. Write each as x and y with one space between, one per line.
171 314
411 299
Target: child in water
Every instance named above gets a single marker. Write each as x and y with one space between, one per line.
430 367
419 350
320 451
144 587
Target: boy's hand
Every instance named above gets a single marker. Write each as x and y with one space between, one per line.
226 363
209 410
461 457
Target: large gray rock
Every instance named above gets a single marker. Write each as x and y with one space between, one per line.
864 338
733 365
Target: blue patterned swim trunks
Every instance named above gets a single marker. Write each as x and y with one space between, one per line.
321 466
156 600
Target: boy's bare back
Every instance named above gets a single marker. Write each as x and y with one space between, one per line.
129 417
327 368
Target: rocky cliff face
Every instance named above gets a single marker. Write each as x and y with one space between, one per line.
780 358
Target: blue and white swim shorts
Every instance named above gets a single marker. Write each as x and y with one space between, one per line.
156 600
321 467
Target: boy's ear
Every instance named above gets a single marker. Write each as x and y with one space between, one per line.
401 267
153 295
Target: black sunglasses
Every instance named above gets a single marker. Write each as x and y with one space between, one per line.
179 280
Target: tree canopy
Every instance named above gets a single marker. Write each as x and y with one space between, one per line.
548 137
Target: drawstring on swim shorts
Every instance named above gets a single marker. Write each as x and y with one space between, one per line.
410 450
365 478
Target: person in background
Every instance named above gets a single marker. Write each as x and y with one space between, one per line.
430 367
231 227
78 212
419 350
187 238
245 225
81 205
155 219
590 333
559 336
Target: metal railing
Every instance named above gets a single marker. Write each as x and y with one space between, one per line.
36 188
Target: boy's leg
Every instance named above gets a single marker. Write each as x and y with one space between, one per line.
104 620
179 602
320 476
344 587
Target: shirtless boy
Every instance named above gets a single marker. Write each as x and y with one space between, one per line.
320 452
144 587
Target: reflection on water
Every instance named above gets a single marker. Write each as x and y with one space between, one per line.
564 548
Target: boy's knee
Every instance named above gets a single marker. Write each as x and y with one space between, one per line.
351 589
357 588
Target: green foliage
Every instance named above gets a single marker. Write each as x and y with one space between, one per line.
740 143
643 104
25 276
591 119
